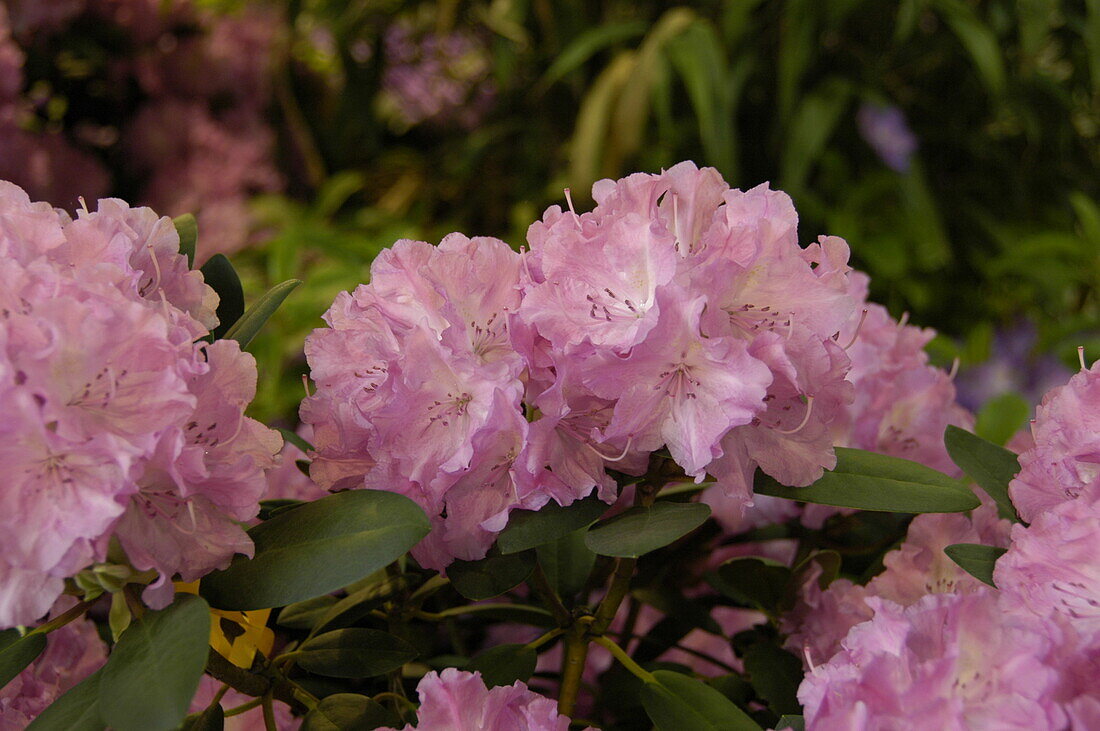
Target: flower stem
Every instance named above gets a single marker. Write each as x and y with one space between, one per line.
572 667
269 713
243 708
64 618
626 661
544 638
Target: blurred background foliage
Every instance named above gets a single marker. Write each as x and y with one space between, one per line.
953 143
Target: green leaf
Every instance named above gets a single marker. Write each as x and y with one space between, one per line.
188 229
318 548
976 559
154 669
342 711
249 324
992 467
776 675
791 722
211 719
222 277
18 652
677 702
978 40
643 529
1001 417
698 57
587 44
363 597
567 562
505 664
353 653
491 576
295 439
869 481
76 710
754 581
305 614
811 127
531 528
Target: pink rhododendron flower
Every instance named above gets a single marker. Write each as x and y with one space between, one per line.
72 653
1064 464
954 661
459 701
251 720
1051 567
112 408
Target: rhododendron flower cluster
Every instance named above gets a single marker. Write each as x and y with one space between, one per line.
678 313
458 700
118 424
924 638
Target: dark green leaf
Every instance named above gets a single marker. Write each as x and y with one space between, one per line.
776 675
220 274
211 719
978 39
677 702
791 722
567 562
354 653
505 664
975 559
992 467
318 548
754 581
363 597
530 528
643 529
253 319
305 614
18 652
270 508
869 481
154 670
76 710
491 576
188 229
829 561
343 711
1001 417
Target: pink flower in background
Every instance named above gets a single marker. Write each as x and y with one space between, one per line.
1064 464
72 653
459 701
251 720
884 128
955 661
117 422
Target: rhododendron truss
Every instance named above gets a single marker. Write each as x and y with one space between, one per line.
657 467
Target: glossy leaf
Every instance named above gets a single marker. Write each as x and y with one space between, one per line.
643 529
18 652
222 277
188 229
992 467
154 669
318 548
587 44
754 581
361 599
869 481
212 718
976 559
533 528
491 576
342 711
76 710
504 664
353 653
567 562
296 439
677 702
775 674
305 614
260 312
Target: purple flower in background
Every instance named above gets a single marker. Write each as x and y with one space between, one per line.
884 128
431 77
1013 365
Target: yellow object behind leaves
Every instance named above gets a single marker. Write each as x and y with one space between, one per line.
236 636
